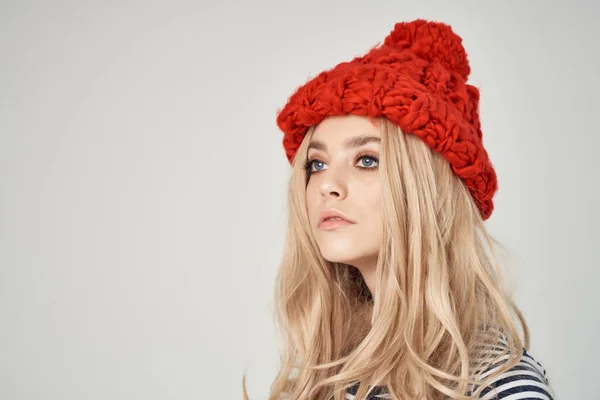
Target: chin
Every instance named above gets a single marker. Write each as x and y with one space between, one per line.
346 255
347 249
338 258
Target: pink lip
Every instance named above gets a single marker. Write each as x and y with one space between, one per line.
328 225
333 224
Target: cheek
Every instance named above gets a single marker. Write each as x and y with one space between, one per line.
370 199
373 214
371 210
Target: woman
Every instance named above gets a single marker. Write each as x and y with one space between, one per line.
389 286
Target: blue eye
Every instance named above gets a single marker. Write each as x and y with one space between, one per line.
318 164
371 160
308 165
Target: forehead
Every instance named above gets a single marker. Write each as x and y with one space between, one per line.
337 129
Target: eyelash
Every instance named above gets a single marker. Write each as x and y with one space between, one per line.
308 163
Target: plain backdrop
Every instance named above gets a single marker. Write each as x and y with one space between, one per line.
142 182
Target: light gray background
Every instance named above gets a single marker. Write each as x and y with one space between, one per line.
142 182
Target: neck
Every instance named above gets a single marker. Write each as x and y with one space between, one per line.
369 277
367 269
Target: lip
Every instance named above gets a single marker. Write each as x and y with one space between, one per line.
329 225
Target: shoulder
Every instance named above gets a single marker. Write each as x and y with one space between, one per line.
378 393
526 380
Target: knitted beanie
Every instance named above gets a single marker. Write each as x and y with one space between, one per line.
416 79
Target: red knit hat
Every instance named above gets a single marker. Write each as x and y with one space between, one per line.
416 79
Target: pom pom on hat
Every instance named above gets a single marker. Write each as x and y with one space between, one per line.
432 42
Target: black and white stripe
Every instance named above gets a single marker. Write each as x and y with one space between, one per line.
525 381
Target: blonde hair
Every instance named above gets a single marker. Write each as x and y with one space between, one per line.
440 310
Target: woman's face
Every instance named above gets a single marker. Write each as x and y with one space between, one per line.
343 172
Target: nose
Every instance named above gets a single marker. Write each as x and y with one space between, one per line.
333 184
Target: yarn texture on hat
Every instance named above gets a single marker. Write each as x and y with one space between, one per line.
418 80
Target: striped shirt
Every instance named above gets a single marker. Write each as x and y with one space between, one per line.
525 381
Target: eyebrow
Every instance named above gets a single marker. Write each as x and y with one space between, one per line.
355 141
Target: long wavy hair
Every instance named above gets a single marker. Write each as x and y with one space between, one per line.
441 314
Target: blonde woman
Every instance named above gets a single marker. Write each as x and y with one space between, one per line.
389 286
